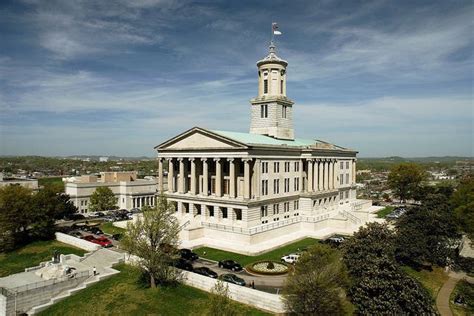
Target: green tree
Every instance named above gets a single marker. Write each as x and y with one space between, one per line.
220 303
317 285
427 234
462 201
16 214
103 199
379 287
153 238
405 179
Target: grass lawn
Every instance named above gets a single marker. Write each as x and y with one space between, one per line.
50 180
109 228
385 211
431 280
467 291
123 294
32 254
217 255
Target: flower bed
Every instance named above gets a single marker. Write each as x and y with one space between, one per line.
268 268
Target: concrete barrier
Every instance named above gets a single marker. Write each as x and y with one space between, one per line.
262 300
77 242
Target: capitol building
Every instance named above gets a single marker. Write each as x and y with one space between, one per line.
251 192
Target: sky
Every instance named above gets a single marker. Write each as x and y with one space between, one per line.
387 78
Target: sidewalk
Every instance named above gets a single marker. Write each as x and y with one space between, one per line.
444 294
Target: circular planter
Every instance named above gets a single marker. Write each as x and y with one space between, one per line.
262 268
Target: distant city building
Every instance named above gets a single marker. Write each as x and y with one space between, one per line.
21 181
248 192
130 191
103 159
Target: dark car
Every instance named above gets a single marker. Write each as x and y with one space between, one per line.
206 272
232 278
183 264
96 231
117 236
74 217
188 254
76 233
230 264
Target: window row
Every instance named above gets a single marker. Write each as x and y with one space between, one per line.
276 186
276 208
276 166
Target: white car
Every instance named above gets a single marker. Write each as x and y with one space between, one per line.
291 258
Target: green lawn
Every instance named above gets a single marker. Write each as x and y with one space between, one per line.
385 211
217 255
109 228
431 280
51 180
32 254
123 294
467 291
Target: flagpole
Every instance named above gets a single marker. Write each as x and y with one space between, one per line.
271 41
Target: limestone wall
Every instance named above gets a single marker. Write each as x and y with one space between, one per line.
77 242
258 299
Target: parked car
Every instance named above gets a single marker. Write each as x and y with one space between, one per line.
135 210
103 241
117 236
110 218
232 278
291 258
76 233
206 272
96 231
88 238
230 264
74 217
188 254
183 264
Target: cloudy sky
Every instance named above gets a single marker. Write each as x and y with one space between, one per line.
119 77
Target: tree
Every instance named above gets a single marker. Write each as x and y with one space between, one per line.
16 214
379 286
405 178
462 201
103 199
317 285
220 303
153 238
427 234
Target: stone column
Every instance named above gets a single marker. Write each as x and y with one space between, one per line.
218 177
171 187
316 176
232 180
336 174
326 175
331 175
160 175
193 176
354 171
181 181
300 164
310 175
205 177
321 175
247 179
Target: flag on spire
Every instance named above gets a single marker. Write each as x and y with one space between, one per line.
275 29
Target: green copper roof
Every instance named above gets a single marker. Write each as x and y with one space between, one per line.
257 139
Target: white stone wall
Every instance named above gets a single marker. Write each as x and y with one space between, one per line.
258 299
76 242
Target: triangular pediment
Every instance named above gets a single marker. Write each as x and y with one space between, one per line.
199 138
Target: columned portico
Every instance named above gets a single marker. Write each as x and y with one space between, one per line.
321 174
310 175
205 177
193 176
232 178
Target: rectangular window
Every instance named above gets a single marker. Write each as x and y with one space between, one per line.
281 87
342 165
198 208
347 194
224 212
347 164
341 180
265 85
283 111
264 211
347 178
276 209
276 167
297 184
276 186
264 187
226 186
264 167
211 211
264 111
297 166
238 214
341 195
296 205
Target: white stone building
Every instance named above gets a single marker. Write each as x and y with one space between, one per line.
249 192
21 181
130 191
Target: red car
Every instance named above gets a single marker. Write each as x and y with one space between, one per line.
102 241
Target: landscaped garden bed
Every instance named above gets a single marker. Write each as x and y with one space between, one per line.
268 268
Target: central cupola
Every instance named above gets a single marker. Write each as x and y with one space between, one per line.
271 110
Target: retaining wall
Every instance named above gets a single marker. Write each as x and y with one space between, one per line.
77 242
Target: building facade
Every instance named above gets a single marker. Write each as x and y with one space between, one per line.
130 191
248 192
21 181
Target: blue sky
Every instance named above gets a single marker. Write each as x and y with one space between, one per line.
119 77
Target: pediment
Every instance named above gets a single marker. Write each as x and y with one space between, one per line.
198 138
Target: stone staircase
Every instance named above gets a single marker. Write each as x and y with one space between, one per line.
102 259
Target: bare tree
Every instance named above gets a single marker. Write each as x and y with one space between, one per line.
153 238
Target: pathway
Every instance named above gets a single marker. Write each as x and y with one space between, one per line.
444 294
